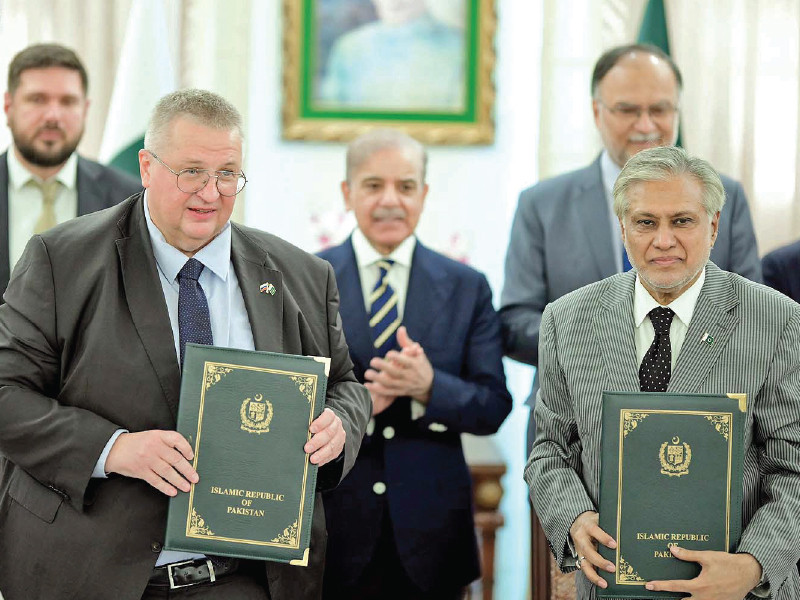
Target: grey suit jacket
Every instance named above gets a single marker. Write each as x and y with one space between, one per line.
561 240
86 348
98 186
586 346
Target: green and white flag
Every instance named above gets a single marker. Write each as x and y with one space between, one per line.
654 31
144 75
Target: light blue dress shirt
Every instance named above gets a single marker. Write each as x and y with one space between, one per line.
230 324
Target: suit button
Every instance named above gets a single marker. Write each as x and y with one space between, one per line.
379 487
371 427
388 432
155 546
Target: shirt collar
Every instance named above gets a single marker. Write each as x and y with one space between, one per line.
366 255
683 306
19 176
610 171
216 255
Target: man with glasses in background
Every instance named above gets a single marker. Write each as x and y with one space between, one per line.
91 340
43 180
565 234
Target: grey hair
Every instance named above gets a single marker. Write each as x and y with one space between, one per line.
364 146
661 164
203 107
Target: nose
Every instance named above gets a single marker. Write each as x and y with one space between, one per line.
53 111
645 123
390 196
665 238
209 191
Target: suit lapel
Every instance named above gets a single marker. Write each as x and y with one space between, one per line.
714 316
351 304
264 310
594 218
144 296
614 333
427 295
5 250
90 194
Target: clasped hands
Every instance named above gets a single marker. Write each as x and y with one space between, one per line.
162 458
404 373
722 575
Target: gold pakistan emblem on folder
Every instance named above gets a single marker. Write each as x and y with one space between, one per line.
256 414
675 458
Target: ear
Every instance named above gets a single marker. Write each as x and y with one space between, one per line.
145 164
6 102
596 112
346 195
714 228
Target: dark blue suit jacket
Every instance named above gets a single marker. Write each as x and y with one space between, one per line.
781 269
428 493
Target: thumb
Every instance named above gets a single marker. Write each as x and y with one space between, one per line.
403 338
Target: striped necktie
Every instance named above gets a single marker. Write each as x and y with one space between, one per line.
384 318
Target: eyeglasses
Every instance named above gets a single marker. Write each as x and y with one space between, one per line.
632 112
190 181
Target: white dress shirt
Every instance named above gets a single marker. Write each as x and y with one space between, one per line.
368 271
25 201
683 307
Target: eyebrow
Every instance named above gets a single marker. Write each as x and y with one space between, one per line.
681 213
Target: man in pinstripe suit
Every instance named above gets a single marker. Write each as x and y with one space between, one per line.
595 338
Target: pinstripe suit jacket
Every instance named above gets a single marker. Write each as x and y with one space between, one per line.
586 346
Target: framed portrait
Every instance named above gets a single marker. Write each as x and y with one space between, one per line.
424 66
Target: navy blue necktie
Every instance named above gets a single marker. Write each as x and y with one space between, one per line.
194 320
656 367
384 318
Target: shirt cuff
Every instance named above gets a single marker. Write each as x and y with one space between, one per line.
100 467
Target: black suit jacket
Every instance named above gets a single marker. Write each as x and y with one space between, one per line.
99 187
782 270
86 348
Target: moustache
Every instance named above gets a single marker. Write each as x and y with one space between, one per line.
386 214
50 127
645 137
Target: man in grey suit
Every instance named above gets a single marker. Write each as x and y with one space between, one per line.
43 181
565 234
90 373
605 336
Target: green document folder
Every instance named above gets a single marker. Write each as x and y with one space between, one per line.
671 473
246 415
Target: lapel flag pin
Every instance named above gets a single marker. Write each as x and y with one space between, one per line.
707 339
267 287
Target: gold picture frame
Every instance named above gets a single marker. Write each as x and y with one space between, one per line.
442 94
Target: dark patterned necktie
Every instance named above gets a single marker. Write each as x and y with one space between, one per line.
194 325
194 320
655 370
384 318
